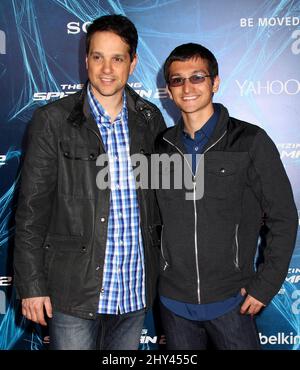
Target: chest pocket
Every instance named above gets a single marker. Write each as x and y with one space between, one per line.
221 178
78 170
81 153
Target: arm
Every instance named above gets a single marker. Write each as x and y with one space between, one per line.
39 177
272 187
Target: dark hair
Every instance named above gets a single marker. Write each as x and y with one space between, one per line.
118 24
189 51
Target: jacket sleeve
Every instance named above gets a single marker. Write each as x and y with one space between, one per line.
273 189
38 182
158 124
159 127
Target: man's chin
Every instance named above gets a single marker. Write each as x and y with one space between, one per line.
188 110
107 92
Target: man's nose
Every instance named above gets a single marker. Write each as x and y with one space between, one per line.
186 85
107 66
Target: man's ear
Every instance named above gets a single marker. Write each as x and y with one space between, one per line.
133 64
216 84
169 92
86 62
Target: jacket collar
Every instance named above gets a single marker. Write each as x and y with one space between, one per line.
135 102
173 134
81 111
139 113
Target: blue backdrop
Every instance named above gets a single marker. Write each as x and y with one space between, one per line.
257 44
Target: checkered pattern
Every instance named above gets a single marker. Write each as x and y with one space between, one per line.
123 287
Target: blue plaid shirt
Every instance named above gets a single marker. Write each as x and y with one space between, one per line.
123 286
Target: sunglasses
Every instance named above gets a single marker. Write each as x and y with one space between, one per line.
194 79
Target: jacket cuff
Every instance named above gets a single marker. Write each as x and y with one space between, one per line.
261 290
34 289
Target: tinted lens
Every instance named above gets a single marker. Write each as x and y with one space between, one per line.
196 79
176 81
179 81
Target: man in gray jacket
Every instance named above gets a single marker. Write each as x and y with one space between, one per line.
210 288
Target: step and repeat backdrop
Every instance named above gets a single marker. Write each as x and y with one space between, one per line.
257 44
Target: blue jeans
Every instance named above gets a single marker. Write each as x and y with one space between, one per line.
107 332
232 331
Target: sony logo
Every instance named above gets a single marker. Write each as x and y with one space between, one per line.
75 27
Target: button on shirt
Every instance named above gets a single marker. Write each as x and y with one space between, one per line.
209 311
195 146
123 286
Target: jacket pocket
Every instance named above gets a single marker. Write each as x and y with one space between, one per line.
65 262
220 178
78 170
78 153
61 244
165 263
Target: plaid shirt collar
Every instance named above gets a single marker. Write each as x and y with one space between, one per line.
99 113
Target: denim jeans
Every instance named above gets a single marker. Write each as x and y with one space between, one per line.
107 332
232 331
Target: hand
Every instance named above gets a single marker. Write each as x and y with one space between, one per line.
251 305
33 309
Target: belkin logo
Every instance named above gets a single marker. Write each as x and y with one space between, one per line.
2 42
280 338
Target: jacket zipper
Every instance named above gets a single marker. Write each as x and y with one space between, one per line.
216 142
236 257
196 241
195 209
